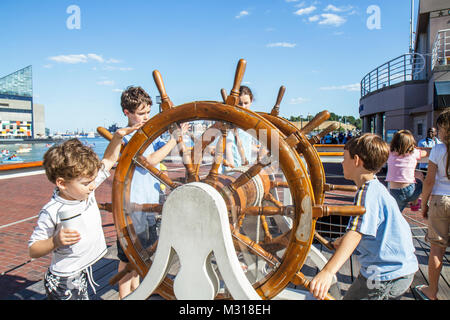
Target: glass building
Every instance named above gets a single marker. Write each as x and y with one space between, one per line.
19 83
19 116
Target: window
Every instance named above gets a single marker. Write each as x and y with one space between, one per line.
419 129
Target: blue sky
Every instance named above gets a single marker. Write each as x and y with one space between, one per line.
319 50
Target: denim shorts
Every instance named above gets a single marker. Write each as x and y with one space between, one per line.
407 194
383 290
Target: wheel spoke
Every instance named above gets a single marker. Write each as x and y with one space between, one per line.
316 139
249 174
147 207
267 235
269 211
271 198
218 158
320 211
315 122
254 247
158 174
184 153
201 144
278 184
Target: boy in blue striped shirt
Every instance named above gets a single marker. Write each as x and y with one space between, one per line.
381 237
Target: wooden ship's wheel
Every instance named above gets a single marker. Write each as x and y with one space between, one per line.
272 240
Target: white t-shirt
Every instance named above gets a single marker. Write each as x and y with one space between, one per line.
438 156
69 260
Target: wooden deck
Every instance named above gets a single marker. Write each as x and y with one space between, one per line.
13 238
107 268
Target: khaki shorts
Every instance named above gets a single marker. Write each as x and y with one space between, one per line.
439 221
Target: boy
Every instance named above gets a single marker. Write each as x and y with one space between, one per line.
136 104
381 236
76 171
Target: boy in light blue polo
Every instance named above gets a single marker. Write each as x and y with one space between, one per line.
381 237
145 189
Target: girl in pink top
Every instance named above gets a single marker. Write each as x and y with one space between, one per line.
402 174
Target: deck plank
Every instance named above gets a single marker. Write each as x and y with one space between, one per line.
422 253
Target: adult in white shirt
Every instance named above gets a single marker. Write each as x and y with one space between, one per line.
436 206
429 142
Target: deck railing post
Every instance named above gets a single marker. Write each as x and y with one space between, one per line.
404 67
389 73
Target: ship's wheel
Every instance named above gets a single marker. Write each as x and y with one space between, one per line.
272 240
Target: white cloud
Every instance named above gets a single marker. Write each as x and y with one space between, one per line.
111 68
300 5
241 14
298 100
106 83
348 87
332 19
113 61
70 59
314 18
117 90
307 10
48 66
330 7
82 58
282 44
96 57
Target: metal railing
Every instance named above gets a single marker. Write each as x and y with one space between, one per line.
441 49
406 67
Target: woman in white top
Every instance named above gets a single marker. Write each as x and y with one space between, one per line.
436 206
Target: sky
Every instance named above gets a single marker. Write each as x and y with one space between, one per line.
85 52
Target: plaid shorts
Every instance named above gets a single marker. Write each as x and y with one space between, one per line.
66 288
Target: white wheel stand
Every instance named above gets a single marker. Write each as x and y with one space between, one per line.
195 226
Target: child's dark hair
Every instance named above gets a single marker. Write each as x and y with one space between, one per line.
403 142
244 90
133 97
371 149
70 160
443 122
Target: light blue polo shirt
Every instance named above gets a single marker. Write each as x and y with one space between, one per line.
144 187
386 249
247 141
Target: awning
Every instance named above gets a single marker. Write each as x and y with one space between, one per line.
442 88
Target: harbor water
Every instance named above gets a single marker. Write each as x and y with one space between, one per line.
30 152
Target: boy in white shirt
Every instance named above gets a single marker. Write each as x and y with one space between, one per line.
76 171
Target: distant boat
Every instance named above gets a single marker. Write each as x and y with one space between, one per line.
23 150
90 135
13 159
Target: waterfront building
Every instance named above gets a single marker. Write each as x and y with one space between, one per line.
410 91
20 117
